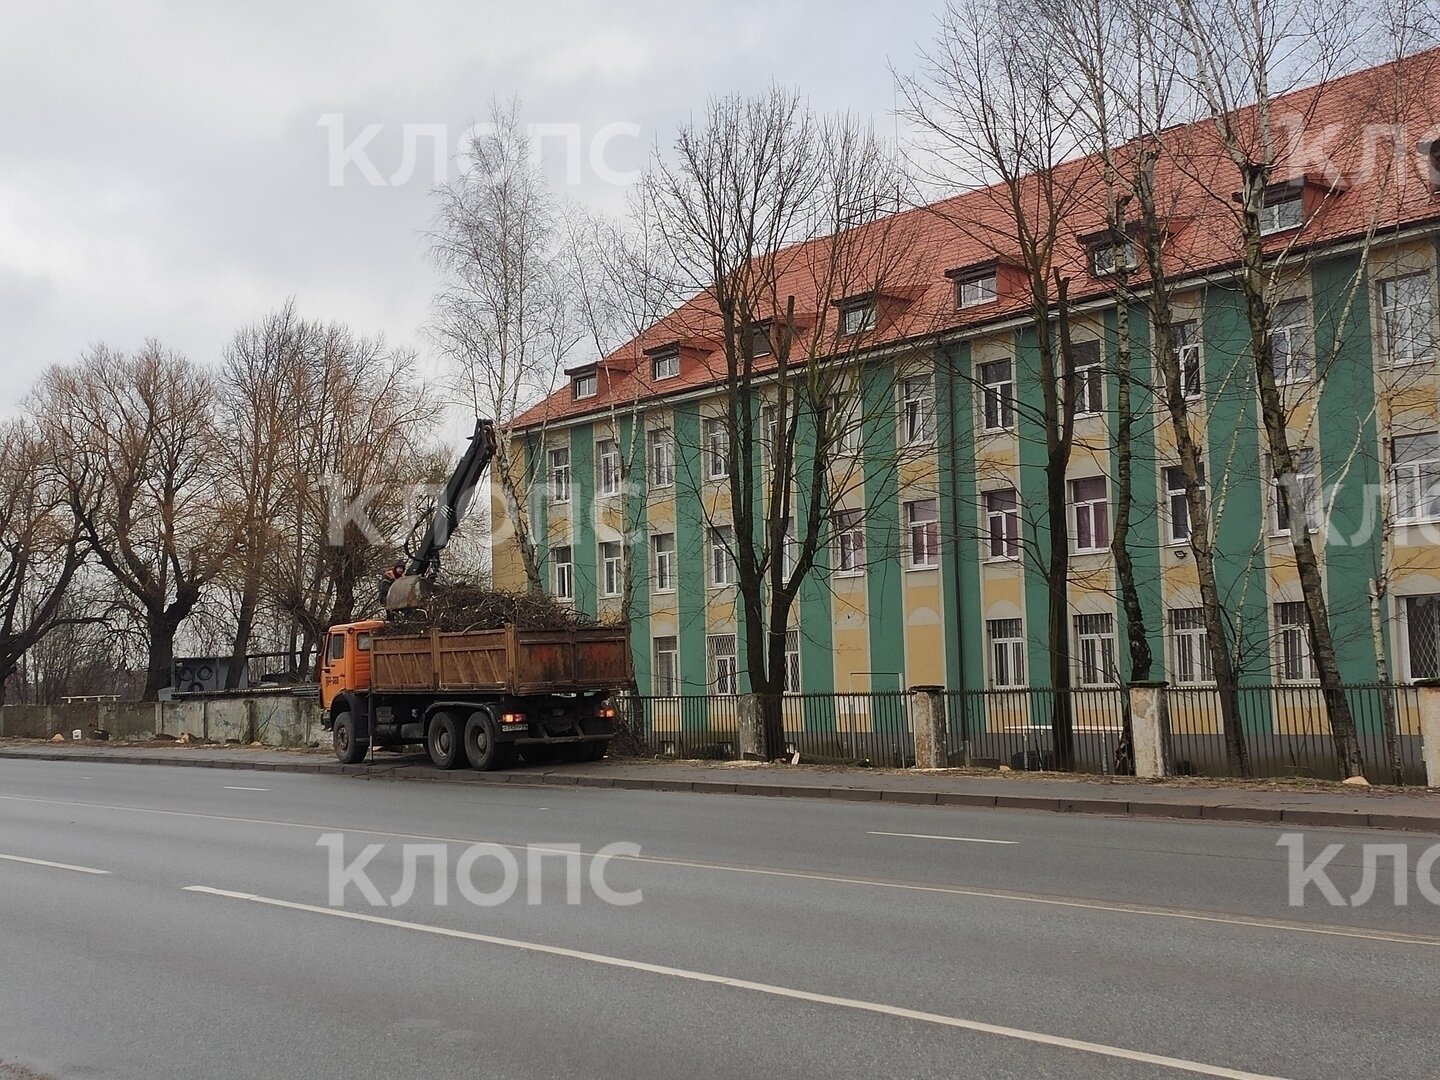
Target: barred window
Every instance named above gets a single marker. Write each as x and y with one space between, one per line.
792 661
1292 630
1007 652
1422 636
724 666
1096 655
1190 647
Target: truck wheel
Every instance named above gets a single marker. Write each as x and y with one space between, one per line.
348 746
443 741
482 743
596 750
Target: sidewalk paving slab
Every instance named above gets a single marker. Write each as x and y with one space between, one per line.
1307 804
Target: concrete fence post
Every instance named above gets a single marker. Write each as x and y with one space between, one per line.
1150 729
1429 693
927 717
751 724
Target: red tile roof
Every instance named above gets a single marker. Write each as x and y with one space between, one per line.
1342 142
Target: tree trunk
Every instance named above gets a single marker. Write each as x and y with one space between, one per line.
1389 724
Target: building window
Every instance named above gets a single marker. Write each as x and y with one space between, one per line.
760 343
1095 635
1416 476
607 467
978 290
717 449
722 558
857 317
666 365
560 476
1002 522
662 458
1189 647
662 547
1102 257
563 566
1293 637
924 527
1087 379
919 412
1422 636
997 382
724 665
587 385
1092 514
844 413
1305 493
769 432
1291 356
789 551
1175 494
1189 360
666 682
792 661
849 542
1407 318
612 569
1281 210
1007 653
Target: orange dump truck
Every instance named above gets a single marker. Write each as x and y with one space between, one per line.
479 697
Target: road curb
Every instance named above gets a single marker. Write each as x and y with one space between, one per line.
1255 815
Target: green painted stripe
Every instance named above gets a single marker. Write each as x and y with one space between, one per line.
1035 521
884 536
582 515
960 519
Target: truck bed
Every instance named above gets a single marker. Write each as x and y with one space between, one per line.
510 661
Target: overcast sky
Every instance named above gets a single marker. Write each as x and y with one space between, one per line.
165 169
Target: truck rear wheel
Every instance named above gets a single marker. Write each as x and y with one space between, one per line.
482 743
443 741
348 747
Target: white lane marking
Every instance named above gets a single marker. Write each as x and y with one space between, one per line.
928 836
232 787
1113 907
1198 1067
54 865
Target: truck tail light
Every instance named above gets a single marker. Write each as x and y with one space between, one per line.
606 713
512 718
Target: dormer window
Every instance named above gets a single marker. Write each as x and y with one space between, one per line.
760 343
665 365
1431 152
1282 209
976 290
586 385
856 317
1102 257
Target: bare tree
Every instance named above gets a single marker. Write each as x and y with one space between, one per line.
503 315
42 542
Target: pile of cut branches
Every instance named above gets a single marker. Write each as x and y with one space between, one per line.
470 607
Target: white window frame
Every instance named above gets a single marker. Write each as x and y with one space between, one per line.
849 528
612 568
918 409
997 397
665 365
1006 638
1418 314
1003 524
586 385
722 559
1298 344
1095 650
922 534
1276 215
1189 356
609 478
560 478
562 575
665 681
717 448
1088 379
977 290
1293 662
844 412
724 664
1090 515
662 457
1177 504
857 317
1307 490
1190 660
1415 485
663 562
1412 613
1102 257
792 682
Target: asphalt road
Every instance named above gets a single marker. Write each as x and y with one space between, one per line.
178 923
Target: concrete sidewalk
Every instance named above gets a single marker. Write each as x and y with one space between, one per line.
1280 802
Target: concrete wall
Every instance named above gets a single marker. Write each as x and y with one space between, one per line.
276 719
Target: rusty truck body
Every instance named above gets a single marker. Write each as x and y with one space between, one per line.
481 697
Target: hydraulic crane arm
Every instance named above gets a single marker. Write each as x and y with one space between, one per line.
451 506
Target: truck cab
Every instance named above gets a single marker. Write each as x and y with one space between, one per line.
345 662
